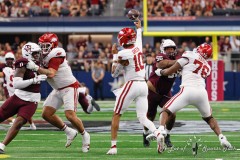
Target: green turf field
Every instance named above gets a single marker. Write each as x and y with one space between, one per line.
49 144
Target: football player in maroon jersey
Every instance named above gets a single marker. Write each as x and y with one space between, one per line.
26 95
159 88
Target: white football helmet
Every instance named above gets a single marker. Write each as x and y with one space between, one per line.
9 55
168 43
31 51
9 58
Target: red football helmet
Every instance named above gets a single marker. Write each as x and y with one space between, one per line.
47 42
205 50
126 36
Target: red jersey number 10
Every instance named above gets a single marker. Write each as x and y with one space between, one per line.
138 60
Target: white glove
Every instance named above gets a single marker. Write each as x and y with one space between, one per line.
39 78
158 72
32 66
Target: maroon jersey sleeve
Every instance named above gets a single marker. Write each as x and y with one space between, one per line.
22 62
29 74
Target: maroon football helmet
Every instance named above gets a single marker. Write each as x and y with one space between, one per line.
205 50
47 42
126 36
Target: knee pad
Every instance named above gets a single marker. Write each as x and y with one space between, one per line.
207 119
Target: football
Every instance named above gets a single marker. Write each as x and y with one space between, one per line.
133 14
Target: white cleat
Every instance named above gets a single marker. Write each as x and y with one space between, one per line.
224 143
70 137
160 143
151 137
33 126
86 142
112 151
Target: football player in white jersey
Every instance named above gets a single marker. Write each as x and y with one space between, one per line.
7 74
130 59
65 89
195 69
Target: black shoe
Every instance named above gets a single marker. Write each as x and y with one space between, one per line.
146 143
95 105
168 141
2 151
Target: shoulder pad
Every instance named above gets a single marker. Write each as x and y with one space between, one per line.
21 62
160 57
58 52
125 54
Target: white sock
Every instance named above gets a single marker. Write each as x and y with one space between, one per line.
66 129
114 143
220 136
161 128
83 133
2 146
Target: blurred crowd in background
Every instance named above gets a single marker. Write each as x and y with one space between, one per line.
54 8
187 7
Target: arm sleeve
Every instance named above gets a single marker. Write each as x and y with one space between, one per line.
55 62
19 83
117 70
182 61
139 38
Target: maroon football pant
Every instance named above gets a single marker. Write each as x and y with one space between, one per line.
155 100
15 105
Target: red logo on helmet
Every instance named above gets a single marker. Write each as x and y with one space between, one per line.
126 36
205 50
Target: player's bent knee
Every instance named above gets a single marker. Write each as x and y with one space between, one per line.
207 119
70 115
168 112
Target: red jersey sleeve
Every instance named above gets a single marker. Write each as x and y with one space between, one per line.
55 62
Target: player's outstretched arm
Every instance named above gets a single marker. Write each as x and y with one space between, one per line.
50 72
165 63
173 69
138 23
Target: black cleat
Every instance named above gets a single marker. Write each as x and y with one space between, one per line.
146 143
2 151
168 141
95 105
